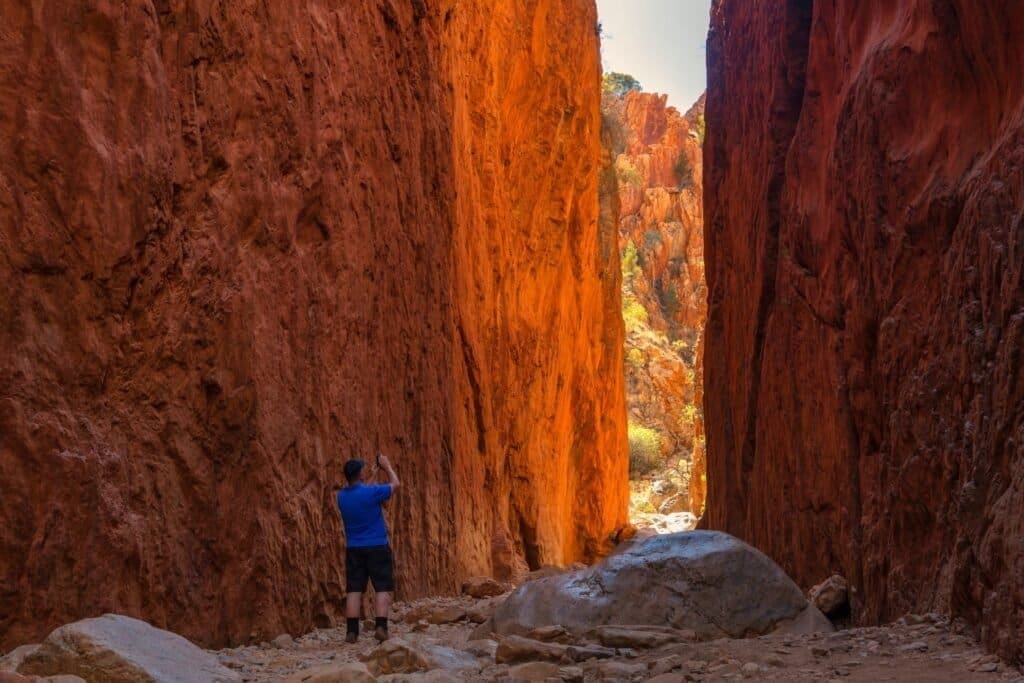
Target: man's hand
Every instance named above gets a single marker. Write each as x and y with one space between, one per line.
386 464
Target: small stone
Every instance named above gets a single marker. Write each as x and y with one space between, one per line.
484 648
571 674
750 669
668 678
831 595
283 641
351 672
483 587
664 665
533 671
550 634
916 646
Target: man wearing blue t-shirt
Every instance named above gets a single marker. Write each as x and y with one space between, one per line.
367 553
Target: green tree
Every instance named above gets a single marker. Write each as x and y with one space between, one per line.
618 84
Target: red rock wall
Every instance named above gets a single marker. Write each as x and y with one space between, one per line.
662 222
240 243
865 254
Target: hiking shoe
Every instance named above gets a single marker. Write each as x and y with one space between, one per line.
381 634
351 637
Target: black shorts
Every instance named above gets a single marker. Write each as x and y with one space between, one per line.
371 562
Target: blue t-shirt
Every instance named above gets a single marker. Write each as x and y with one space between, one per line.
362 514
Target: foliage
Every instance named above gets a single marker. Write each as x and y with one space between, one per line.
635 357
644 449
627 173
634 315
684 171
670 301
701 128
631 261
618 84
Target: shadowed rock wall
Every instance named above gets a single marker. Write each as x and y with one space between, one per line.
240 242
865 252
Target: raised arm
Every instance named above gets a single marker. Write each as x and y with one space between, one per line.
392 477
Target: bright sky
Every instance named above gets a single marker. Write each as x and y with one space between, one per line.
660 42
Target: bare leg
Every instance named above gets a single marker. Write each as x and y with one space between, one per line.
382 605
353 603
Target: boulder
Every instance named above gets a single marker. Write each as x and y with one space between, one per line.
350 672
831 595
115 648
483 587
704 581
409 655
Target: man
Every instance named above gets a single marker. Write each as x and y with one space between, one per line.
367 554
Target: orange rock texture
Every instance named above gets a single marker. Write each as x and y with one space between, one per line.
245 241
661 231
865 253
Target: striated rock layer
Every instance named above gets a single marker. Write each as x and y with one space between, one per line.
244 241
865 255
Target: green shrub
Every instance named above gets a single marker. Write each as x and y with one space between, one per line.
644 449
701 128
684 172
670 301
635 357
627 173
634 315
631 260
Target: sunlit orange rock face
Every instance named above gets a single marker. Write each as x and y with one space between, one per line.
865 252
245 241
661 221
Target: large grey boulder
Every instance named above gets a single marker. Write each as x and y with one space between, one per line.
115 648
706 581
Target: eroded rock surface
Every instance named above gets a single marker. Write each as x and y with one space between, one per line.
865 256
245 241
119 649
701 581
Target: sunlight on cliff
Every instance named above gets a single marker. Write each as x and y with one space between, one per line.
657 161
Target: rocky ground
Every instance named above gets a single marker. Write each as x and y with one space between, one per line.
667 608
917 648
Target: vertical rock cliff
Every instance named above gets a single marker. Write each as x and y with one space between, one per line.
661 232
865 254
245 241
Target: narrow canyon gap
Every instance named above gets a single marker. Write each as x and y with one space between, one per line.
864 399
244 241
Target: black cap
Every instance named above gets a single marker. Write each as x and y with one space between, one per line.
352 469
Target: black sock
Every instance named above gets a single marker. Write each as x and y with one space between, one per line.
353 624
382 622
